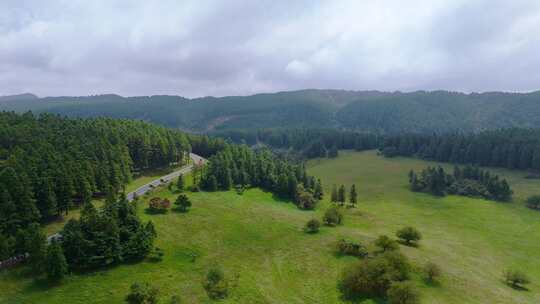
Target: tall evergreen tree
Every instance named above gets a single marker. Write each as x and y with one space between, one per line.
334 196
180 183
353 196
318 192
34 243
55 262
342 196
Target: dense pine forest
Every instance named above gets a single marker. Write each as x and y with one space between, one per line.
242 167
307 143
48 163
373 111
509 148
466 181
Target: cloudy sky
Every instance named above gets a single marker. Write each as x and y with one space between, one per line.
199 48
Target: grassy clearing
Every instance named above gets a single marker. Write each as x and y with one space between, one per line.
259 242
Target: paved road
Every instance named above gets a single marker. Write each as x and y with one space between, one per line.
151 185
166 178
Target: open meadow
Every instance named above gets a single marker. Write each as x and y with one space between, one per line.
259 243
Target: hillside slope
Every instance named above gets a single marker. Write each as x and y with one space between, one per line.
420 111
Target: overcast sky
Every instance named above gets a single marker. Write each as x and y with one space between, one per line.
199 48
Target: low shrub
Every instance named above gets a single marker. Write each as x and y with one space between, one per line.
312 226
346 247
385 244
432 272
409 235
215 284
333 217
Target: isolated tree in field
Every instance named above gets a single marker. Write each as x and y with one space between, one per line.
183 202
333 217
533 202
409 235
353 196
432 271
334 196
318 192
215 284
516 278
312 226
403 293
180 183
55 262
142 294
384 243
342 196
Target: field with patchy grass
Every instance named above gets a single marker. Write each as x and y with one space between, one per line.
259 242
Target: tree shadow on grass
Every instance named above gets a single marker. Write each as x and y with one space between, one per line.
281 199
41 285
361 299
431 283
411 244
152 211
179 210
517 287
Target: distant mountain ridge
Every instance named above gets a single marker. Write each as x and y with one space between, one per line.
387 112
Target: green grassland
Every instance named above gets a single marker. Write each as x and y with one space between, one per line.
258 241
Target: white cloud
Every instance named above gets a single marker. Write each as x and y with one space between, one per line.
196 48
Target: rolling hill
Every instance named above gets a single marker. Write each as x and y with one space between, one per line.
421 111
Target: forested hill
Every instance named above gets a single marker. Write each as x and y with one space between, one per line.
437 111
49 163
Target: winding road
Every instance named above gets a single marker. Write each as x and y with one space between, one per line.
197 160
166 178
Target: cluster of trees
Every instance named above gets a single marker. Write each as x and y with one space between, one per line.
384 275
106 236
467 181
308 143
339 196
508 148
49 164
239 165
99 238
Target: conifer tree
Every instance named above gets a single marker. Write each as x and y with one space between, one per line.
318 192
55 263
353 196
334 196
183 203
342 197
34 243
227 181
180 183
